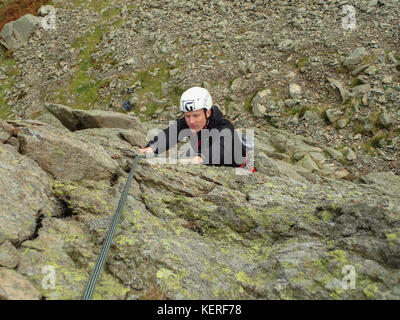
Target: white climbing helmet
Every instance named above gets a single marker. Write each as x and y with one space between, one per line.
195 98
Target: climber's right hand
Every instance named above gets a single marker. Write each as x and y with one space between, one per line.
146 150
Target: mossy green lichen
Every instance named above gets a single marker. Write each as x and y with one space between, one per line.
370 291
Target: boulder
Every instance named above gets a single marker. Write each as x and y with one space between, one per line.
259 102
385 119
74 119
337 155
344 93
355 57
333 115
65 155
16 33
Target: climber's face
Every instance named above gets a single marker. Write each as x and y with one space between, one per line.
196 120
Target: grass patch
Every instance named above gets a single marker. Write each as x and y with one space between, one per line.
376 140
94 5
368 148
151 81
356 82
9 64
110 13
358 127
368 59
5 111
301 62
175 95
82 89
248 100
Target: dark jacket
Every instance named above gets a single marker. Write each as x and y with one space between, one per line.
220 145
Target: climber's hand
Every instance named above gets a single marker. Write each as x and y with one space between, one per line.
146 150
194 160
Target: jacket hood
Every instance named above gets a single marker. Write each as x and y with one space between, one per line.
216 116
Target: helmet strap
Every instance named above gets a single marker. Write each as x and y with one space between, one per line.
207 118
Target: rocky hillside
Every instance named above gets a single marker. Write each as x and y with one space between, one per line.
78 101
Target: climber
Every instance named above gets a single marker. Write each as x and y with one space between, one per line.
213 138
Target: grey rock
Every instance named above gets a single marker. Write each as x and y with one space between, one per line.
14 286
337 155
286 45
260 102
387 79
344 93
371 70
51 120
242 67
385 119
355 57
299 155
311 116
238 84
369 127
342 123
25 188
359 69
290 102
16 33
360 90
308 164
49 146
295 91
349 154
8 255
75 119
333 114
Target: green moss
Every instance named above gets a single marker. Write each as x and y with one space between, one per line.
302 62
247 102
109 13
175 95
172 281
93 5
391 236
356 82
339 256
376 140
125 240
370 291
326 216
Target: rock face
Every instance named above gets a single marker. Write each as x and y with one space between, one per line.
50 147
13 286
316 221
190 231
21 178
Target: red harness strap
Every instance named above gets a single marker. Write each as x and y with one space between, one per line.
244 163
